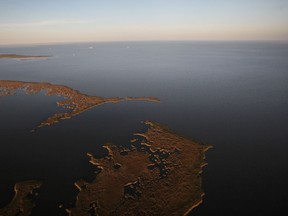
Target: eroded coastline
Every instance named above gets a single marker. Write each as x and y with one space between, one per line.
74 100
159 175
23 201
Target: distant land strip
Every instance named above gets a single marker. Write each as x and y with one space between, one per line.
23 57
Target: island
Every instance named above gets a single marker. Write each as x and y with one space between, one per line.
160 174
23 57
23 201
74 100
157 172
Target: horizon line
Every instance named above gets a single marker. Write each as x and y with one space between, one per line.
148 40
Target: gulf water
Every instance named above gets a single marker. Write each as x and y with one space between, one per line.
232 95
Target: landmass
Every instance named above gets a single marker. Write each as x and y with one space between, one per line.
23 57
75 101
160 174
23 201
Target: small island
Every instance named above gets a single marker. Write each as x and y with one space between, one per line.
160 174
23 57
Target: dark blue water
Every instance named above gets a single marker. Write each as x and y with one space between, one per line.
233 95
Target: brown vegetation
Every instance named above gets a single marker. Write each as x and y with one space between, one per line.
76 101
22 202
161 176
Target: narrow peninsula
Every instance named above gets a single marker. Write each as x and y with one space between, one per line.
74 100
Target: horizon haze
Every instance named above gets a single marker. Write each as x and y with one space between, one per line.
33 22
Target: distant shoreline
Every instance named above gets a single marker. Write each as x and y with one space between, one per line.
135 41
20 57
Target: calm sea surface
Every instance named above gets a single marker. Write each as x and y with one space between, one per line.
233 95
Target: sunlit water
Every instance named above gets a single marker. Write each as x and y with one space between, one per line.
233 95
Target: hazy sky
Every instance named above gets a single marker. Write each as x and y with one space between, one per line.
46 21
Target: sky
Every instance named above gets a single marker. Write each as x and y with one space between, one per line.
56 21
